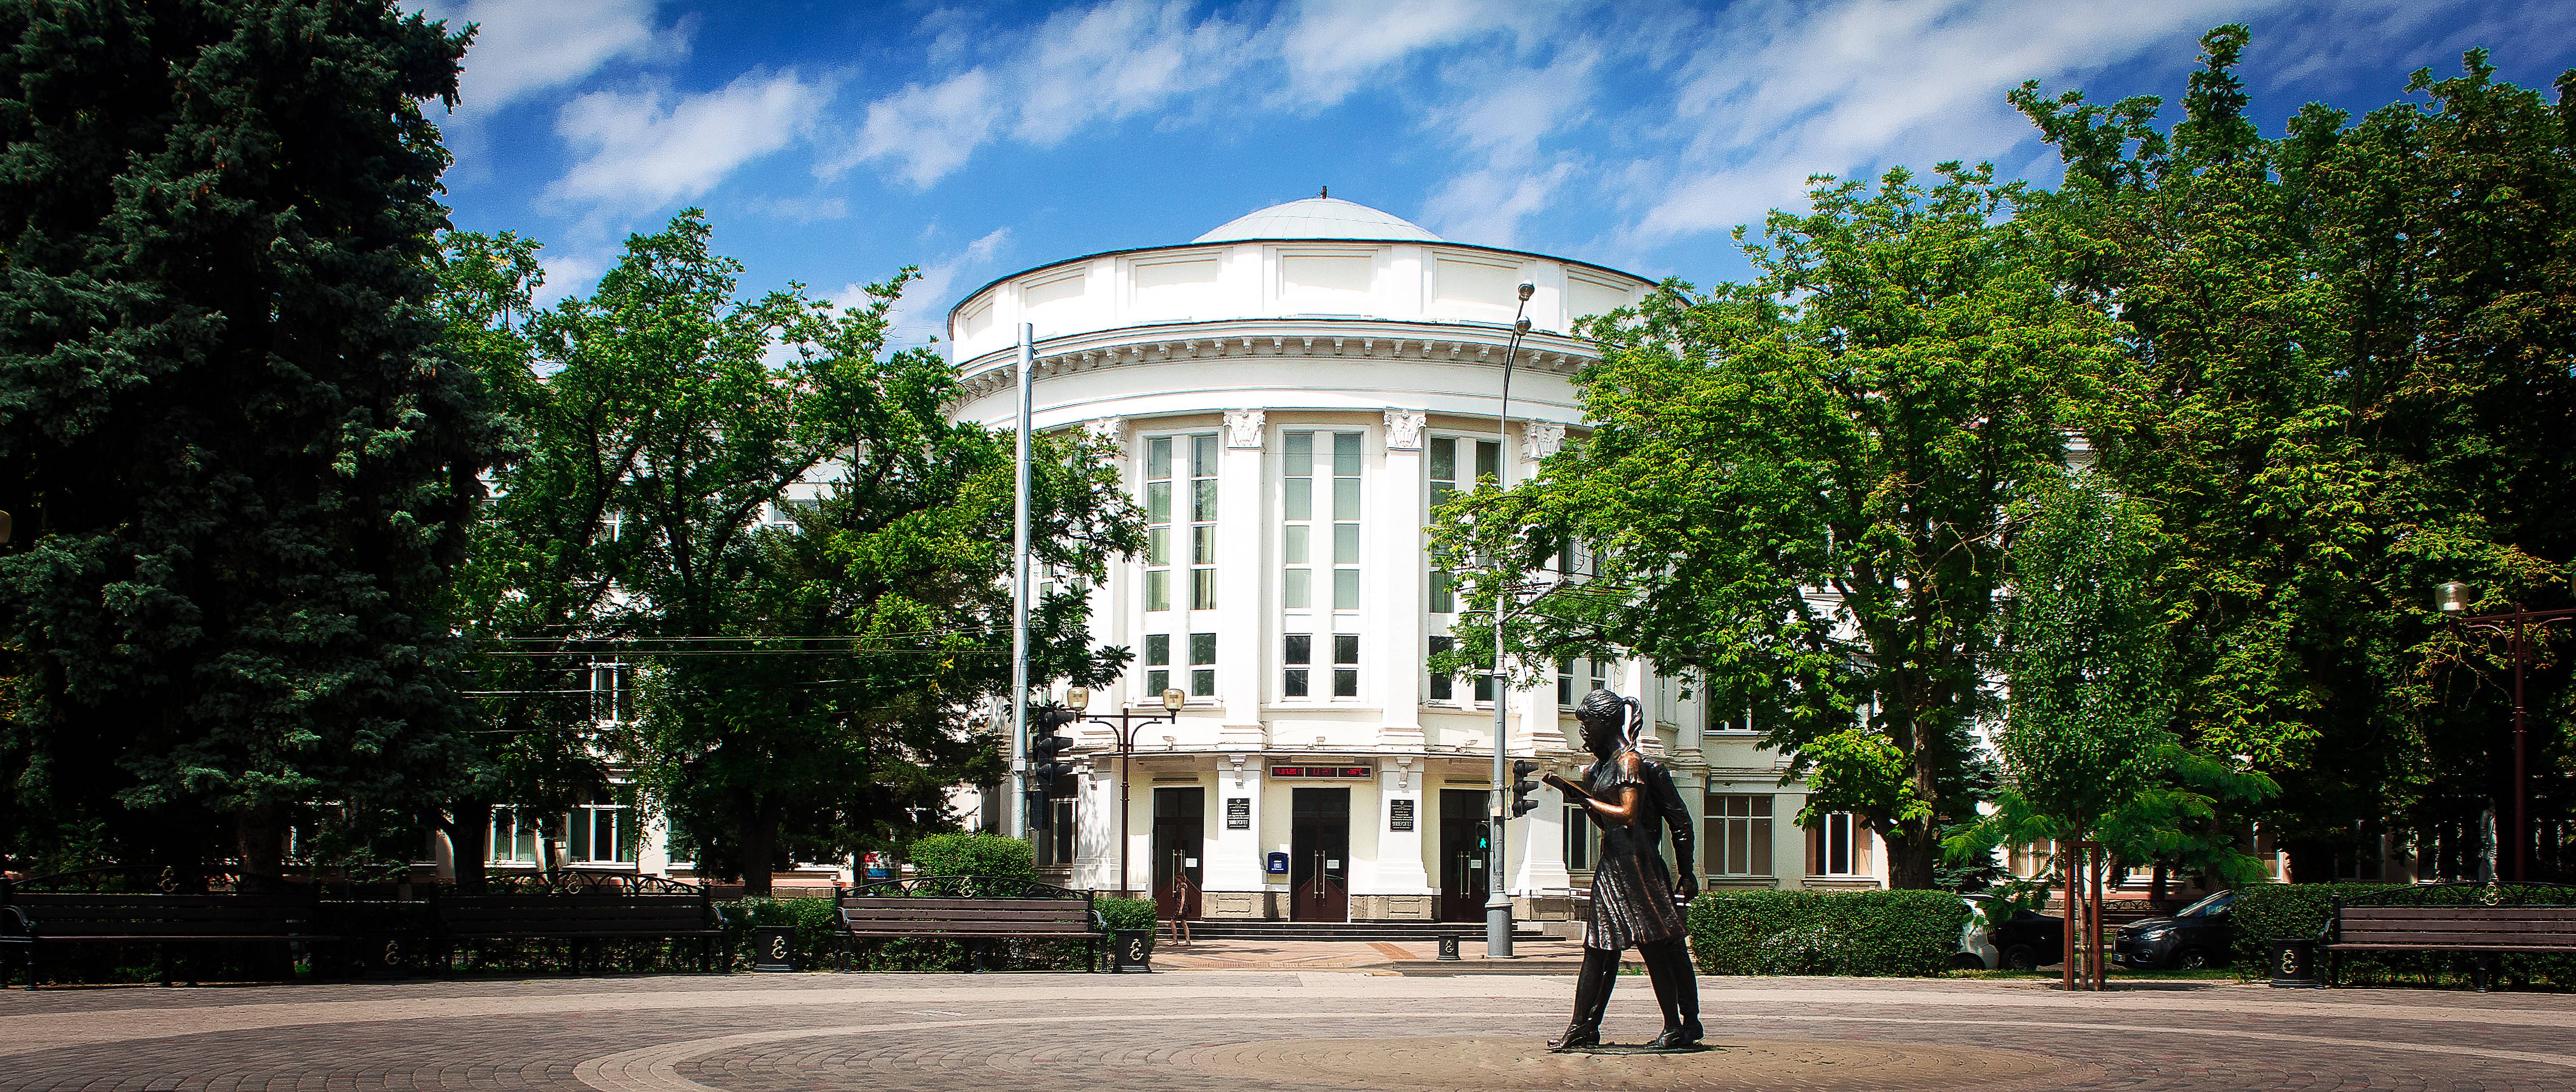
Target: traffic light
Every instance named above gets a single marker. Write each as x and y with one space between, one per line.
1523 786
1047 762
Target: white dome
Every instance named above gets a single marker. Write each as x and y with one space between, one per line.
1317 218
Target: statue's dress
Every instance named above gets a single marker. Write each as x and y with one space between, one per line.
1632 897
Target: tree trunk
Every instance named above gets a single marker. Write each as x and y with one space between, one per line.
2156 890
260 839
469 837
759 846
1913 856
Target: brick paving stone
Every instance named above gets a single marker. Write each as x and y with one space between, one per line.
1258 1031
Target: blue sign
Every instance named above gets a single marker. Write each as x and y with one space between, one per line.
1278 865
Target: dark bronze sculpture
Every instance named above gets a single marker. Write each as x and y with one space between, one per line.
1633 801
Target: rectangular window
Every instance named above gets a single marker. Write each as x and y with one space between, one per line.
1838 846
1297 651
1578 840
1443 685
1738 835
1158 661
1296 516
1203 459
1346 521
508 841
1445 466
1565 683
612 692
602 834
1346 665
1203 665
1158 523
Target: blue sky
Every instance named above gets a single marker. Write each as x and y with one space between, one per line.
834 143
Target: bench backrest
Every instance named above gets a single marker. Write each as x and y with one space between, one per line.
2537 926
869 913
574 913
142 915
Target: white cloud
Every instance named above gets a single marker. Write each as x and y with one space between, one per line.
1782 90
922 313
522 47
646 148
1079 67
800 210
1331 47
1487 206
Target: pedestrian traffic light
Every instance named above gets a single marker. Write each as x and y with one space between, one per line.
1523 787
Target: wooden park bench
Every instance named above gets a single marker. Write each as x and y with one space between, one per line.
582 910
2482 931
979 911
160 907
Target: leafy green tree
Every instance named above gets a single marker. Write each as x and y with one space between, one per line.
240 470
537 585
2347 345
816 667
1801 487
2087 741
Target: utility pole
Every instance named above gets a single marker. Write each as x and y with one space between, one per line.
1015 814
1498 899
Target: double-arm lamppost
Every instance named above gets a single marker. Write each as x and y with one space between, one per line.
2515 626
1125 728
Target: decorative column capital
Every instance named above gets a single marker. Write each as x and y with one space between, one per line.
1105 429
1540 439
1404 429
1243 428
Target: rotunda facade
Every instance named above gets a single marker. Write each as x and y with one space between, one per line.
1287 396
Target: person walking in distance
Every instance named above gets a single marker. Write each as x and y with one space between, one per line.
1627 797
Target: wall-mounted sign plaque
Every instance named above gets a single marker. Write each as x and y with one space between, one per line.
1399 813
1238 813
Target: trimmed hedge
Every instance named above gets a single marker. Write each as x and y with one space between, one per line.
972 855
816 942
2267 912
1866 933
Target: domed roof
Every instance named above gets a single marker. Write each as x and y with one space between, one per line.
1317 218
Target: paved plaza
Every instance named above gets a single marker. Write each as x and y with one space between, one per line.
1261 1030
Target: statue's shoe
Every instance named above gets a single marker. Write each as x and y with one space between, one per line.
1576 1037
1676 1038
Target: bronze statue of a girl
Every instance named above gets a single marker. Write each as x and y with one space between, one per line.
1632 801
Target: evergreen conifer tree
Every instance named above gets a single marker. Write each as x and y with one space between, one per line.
238 469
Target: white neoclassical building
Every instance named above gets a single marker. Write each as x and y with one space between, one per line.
1288 394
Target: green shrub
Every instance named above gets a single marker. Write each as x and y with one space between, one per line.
1826 932
972 855
2264 913
1129 914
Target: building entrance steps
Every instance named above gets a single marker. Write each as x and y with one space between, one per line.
1359 931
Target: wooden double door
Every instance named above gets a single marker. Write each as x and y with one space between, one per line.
1319 851
1180 824
1463 857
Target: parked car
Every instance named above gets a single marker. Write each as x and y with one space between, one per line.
2023 940
2199 935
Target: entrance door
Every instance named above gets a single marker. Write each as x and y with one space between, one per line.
1319 849
1179 822
1462 854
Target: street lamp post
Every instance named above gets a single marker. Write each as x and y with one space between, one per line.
1498 900
2453 599
1128 724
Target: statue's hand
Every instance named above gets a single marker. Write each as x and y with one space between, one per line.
1688 888
1557 781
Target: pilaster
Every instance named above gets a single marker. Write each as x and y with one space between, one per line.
1243 636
